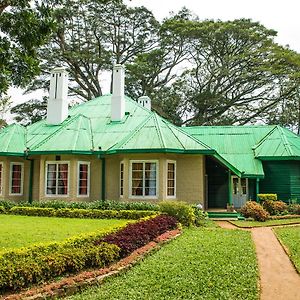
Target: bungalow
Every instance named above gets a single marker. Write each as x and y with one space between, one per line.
113 147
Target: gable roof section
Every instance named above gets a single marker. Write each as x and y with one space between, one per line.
13 140
234 144
279 144
156 134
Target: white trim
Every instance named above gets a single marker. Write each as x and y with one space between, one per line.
10 178
121 195
57 162
175 179
157 179
88 180
1 178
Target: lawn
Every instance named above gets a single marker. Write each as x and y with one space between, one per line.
290 237
200 264
267 223
20 231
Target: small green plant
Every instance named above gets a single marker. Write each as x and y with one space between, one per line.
255 211
294 209
180 210
275 207
265 197
200 216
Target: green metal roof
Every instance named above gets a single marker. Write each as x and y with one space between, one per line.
234 144
13 140
279 144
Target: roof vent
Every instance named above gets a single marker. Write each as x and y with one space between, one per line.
57 109
145 101
118 97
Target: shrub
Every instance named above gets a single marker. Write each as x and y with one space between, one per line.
2 210
7 204
294 209
254 210
180 210
139 234
200 216
275 207
23 267
265 197
82 213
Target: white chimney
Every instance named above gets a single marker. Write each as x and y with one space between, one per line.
118 97
145 101
57 109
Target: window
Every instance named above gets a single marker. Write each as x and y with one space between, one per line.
144 179
121 179
57 178
171 180
1 176
83 179
16 178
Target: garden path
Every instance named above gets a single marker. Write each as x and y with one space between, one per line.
278 278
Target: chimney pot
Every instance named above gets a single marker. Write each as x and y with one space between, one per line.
145 101
118 96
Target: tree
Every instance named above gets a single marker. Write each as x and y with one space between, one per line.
5 104
23 29
30 112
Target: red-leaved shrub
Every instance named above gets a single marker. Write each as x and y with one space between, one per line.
254 210
139 234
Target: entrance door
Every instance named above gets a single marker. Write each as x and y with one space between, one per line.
239 191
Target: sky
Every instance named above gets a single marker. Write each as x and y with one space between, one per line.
282 16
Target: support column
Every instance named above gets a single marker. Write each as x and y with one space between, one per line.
31 174
229 188
257 189
103 177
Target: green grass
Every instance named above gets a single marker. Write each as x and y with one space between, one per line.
22 231
267 223
290 237
200 264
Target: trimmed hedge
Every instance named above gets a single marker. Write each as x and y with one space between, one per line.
22 267
265 197
81 213
100 205
2 210
139 234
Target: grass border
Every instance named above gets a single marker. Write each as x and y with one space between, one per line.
274 225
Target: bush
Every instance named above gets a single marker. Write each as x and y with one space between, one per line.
2 210
100 205
294 209
265 197
180 210
254 210
23 267
82 213
200 216
275 207
139 234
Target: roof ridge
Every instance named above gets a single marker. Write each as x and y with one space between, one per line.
159 131
60 128
260 142
286 143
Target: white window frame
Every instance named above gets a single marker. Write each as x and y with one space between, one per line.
1 185
120 181
175 178
10 178
157 180
58 162
88 181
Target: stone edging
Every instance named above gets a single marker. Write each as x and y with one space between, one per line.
286 250
274 225
73 284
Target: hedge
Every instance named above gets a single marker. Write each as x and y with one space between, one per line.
136 235
22 267
101 205
81 213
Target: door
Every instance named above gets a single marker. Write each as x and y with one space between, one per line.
239 191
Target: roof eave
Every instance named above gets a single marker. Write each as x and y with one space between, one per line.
162 150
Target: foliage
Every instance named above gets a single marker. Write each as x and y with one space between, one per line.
102 205
24 28
254 210
20 268
290 237
81 213
275 207
287 220
265 197
23 231
200 216
294 209
139 234
180 210
200 264
2 210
